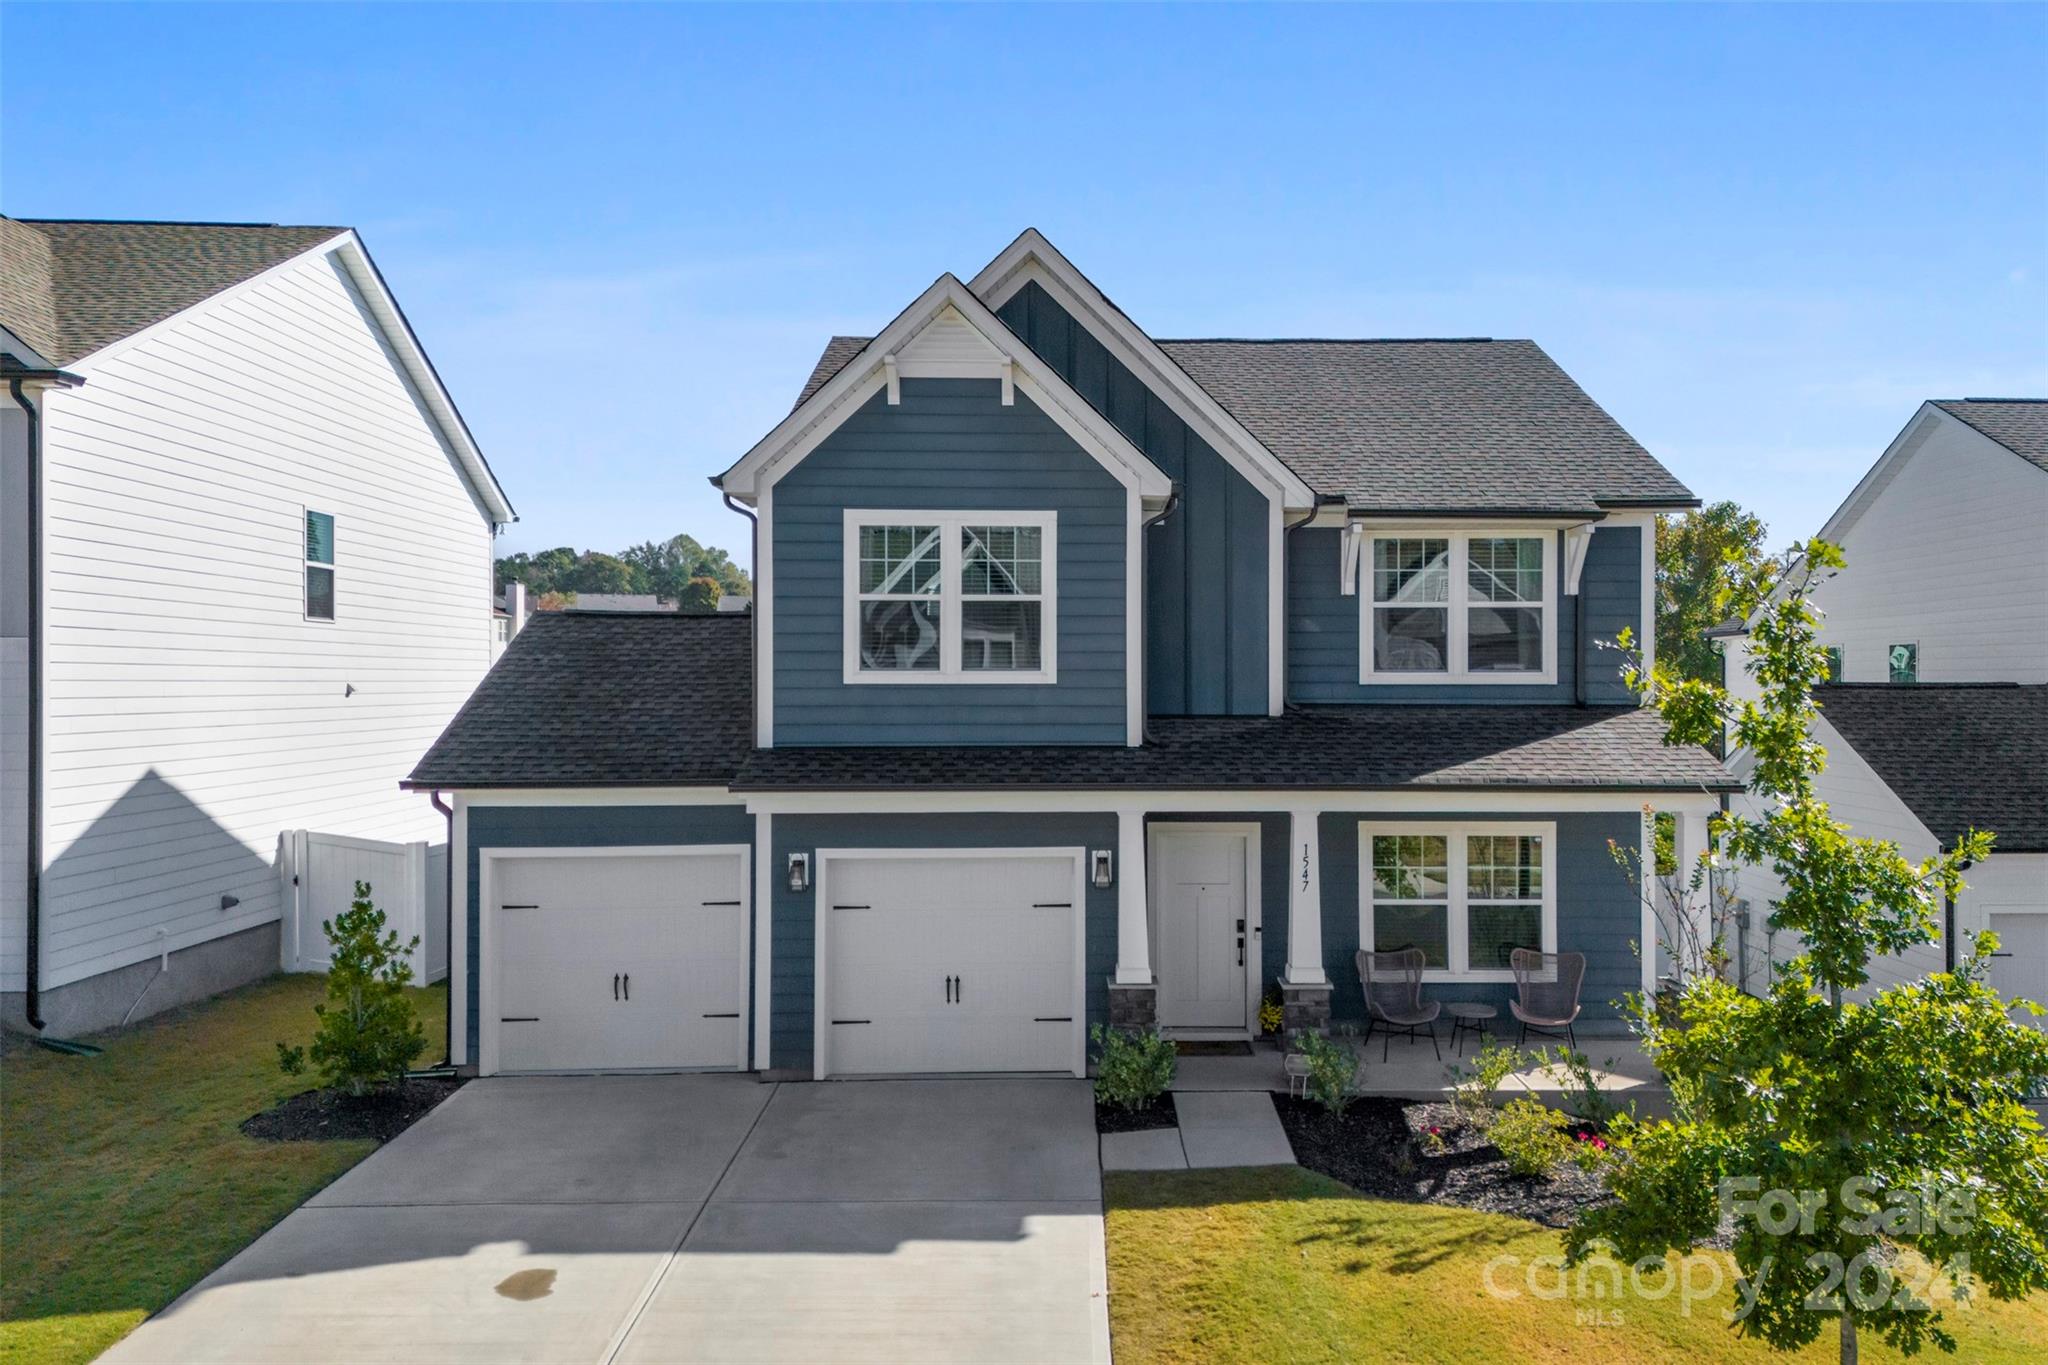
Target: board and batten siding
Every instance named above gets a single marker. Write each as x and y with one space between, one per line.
193 712
1324 627
1205 565
1949 555
950 444
1598 910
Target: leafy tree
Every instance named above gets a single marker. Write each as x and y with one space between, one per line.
1691 551
368 1032
666 568
671 566
1832 1134
699 594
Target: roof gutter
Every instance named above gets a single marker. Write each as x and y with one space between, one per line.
32 975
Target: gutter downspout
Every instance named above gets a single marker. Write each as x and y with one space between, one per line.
448 905
32 979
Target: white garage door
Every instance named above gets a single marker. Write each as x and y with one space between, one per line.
620 962
938 963
2019 969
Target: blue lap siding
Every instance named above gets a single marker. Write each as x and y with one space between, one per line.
1598 911
793 967
1323 628
582 827
1205 566
950 444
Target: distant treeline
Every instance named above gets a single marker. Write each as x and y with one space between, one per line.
677 570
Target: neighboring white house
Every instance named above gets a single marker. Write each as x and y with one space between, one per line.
263 586
1941 620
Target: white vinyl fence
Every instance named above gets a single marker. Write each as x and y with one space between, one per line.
408 882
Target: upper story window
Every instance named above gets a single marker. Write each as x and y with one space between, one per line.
950 596
1464 606
319 566
1903 663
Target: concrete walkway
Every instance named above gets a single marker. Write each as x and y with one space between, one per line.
684 1218
1216 1128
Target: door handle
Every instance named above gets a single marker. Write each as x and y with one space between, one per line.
629 985
949 988
956 990
615 985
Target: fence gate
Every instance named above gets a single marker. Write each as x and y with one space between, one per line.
408 882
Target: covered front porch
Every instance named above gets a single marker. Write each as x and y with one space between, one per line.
1226 902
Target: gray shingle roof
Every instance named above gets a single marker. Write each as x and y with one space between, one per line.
1358 748
2018 424
69 287
1463 426
656 698
1960 755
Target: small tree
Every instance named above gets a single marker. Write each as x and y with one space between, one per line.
368 1032
1832 1134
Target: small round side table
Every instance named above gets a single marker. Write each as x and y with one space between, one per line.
1468 1017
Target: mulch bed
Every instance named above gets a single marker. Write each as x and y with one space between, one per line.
1376 1148
1114 1118
326 1115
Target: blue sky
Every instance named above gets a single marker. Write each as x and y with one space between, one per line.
1758 235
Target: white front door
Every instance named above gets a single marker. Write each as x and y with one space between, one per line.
949 962
1201 898
2019 969
630 961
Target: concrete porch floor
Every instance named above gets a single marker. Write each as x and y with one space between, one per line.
1412 1070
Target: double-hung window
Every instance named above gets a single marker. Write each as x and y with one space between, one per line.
1467 894
1464 606
950 596
319 566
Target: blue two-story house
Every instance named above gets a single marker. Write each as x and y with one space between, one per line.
1091 678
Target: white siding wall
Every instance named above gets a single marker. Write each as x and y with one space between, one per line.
1860 799
194 713
1949 554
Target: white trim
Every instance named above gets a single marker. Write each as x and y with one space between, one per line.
1254 925
1457 606
1032 257
458 935
599 796
1577 540
1451 801
951 598
764 620
840 396
763 943
1276 608
1457 907
487 912
1135 661
822 860
362 275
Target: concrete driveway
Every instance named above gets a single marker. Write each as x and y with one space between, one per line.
685 1218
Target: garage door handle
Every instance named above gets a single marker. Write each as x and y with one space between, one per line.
956 990
615 985
708 903
853 1021
519 907
629 985
733 1015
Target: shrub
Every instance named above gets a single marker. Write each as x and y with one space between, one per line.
1589 1151
368 1032
1332 1068
1583 1095
1131 1069
1532 1138
1473 1088
1271 1015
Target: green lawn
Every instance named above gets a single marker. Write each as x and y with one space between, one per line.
1282 1264
124 1178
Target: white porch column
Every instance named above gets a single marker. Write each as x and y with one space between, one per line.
1133 938
1304 901
1689 842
